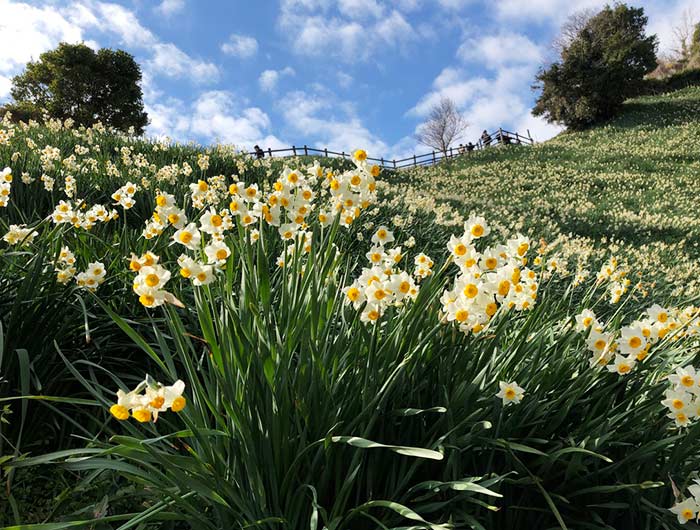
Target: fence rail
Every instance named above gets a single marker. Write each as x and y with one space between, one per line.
499 137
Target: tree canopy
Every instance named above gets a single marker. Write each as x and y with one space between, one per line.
73 81
599 68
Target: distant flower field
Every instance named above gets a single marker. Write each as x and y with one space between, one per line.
207 338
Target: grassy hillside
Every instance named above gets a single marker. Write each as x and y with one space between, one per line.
630 186
329 373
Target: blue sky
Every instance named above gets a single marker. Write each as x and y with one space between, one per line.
340 74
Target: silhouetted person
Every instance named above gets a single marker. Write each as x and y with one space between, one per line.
259 153
505 139
470 147
461 149
486 138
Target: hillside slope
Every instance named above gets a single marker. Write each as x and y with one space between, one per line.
630 187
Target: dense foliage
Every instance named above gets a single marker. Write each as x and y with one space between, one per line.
325 346
598 70
75 82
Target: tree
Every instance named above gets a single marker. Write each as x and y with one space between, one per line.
600 68
571 29
444 126
683 35
73 81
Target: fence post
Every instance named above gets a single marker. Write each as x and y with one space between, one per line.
269 151
343 153
295 150
325 152
394 163
306 150
382 162
414 161
451 155
433 157
530 137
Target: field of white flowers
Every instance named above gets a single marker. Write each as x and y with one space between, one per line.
193 338
627 189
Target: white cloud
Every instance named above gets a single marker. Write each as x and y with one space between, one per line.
215 116
5 85
351 30
324 122
27 31
360 9
171 61
663 14
170 7
269 78
488 102
494 51
240 46
345 80
110 18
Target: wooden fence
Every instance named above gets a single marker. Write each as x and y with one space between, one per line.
499 137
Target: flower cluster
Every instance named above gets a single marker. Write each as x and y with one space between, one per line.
689 509
20 235
65 266
616 276
488 280
620 350
65 212
92 277
683 398
124 196
5 186
382 284
147 400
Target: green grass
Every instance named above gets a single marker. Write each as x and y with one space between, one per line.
280 371
631 184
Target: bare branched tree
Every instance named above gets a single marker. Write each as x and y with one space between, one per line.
683 36
445 125
572 28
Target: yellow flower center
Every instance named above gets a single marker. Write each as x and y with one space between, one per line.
157 402
152 280
216 220
404 287
142 415
471 290
461 249
178 404
353 294
510 393
678 404
147 300
120 412
477 230
186 237
687 380
635 342
461 315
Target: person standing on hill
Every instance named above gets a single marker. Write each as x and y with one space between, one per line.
259 153
485 138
